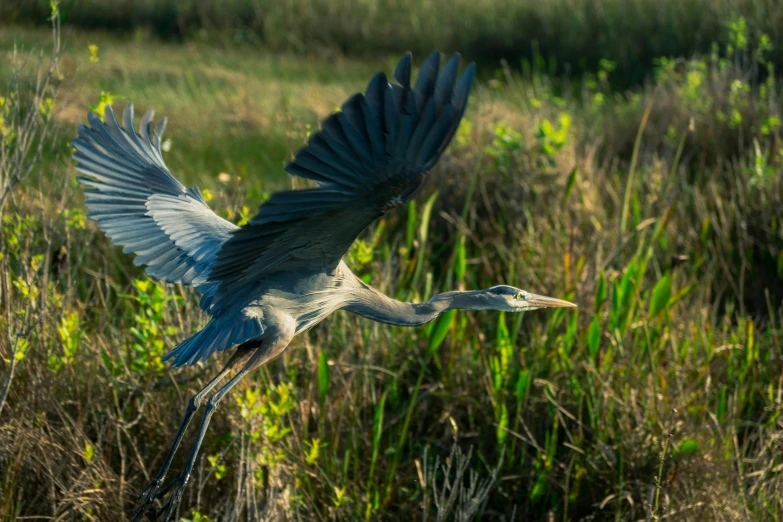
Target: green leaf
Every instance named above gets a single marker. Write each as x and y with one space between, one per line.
323 376
377 424
461 259
627 284
505 349
502 433
614 305
721 409
600 292
684 292
89 452
495 372
686 448
660 296
522 385
426 213
623 297
539 488
594 338
311 456
569 185
21 349
439 331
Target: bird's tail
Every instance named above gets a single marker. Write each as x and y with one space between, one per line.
216 336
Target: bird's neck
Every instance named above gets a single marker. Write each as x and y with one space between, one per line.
374 305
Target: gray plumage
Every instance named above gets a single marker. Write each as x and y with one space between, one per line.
282 273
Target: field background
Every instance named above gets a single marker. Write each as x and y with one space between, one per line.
622 155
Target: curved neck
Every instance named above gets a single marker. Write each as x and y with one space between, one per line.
374 305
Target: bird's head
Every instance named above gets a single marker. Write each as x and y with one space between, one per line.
502 298
509 299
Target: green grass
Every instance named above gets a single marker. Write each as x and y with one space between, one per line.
574 34
657 210
247 99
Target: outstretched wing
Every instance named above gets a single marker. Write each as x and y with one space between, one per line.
370 156
138 203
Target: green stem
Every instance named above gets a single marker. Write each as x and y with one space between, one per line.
632 169
406 423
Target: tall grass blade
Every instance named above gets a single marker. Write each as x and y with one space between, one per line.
660 296
323 377
632 170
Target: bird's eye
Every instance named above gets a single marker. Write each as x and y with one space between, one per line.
518 296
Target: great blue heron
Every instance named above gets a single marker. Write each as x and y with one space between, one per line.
282 273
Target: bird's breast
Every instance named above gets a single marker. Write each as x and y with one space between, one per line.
309 300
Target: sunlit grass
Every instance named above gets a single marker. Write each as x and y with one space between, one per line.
576 34
230 111
660 396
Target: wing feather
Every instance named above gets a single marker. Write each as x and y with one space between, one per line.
370 156
136 201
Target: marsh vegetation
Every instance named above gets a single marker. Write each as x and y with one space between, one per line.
657 208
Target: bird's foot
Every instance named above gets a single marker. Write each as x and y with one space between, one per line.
146 498
169 509
154 492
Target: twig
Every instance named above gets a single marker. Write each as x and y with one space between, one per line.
10 375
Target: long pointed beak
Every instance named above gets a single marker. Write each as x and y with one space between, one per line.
543 301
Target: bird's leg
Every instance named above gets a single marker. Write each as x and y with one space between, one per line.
178 484
151 492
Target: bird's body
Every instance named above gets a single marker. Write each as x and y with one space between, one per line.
307 300
282 273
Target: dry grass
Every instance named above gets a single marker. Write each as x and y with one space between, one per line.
675 351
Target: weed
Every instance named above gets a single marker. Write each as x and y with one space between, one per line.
660 398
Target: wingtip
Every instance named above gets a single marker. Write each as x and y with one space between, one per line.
444 86
468 73
453 61
465 84
378 78
94 119
148 117
108 110
433 58
402 73
428 73
127 118
161 127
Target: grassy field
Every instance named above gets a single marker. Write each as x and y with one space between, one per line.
574 34
658 210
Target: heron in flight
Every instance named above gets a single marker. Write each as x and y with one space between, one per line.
282 273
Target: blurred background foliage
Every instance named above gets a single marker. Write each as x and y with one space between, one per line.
572 35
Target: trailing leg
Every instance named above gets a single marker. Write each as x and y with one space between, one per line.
280 330
151 492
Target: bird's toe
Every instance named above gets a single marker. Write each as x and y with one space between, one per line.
170 508
146 498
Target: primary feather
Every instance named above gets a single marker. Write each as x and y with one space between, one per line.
136 201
